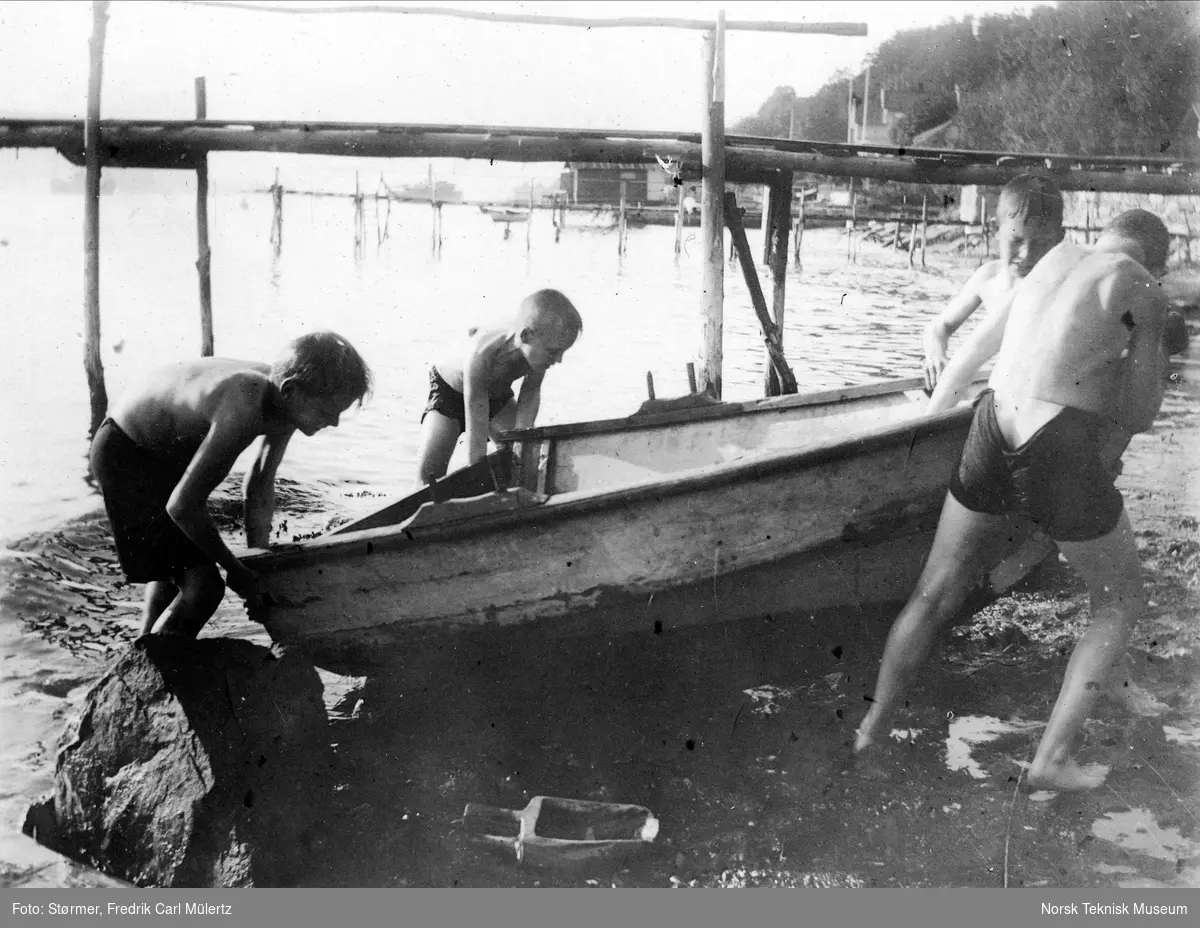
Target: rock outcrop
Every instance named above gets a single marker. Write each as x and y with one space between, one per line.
195 763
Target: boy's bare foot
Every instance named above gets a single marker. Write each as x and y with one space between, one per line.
868 758
1066 776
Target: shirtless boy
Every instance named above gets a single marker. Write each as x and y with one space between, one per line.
470 385
1079 371
169 442
1031 214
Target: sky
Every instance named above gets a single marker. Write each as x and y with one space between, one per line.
428 68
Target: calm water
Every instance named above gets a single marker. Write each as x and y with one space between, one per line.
397 303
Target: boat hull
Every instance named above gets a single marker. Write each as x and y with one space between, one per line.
846 523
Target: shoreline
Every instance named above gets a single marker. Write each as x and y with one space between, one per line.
417 745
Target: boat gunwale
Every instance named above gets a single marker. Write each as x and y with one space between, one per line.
386 538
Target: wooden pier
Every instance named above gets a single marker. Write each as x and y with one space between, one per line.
710 156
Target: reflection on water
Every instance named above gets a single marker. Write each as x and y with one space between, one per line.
1137 830
399 304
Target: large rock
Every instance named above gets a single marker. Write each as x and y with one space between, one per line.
195 763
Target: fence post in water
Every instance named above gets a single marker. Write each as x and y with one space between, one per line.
204 259
777 220
621 223
678 220
91 222
529 221
712 210
924 224
277 214
771 333
912 244
799 231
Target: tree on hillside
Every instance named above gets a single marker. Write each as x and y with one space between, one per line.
774 117
1098 78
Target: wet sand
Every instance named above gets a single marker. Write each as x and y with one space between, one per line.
736 735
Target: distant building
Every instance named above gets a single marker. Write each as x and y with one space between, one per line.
600 182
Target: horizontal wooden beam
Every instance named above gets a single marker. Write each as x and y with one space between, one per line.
538 19
171 144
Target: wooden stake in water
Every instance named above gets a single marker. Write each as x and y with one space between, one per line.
679 219
777 219
912 244
712 210
924 224
277 214
204 259
799 232
650 384
621 222
91 222
529 222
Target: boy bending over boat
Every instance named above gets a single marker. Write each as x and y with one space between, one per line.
170 441
1079 371
1031 214
470 385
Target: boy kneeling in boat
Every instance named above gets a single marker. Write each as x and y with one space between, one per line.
1079 371
170 441
470 386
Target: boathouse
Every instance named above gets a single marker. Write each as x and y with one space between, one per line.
600 182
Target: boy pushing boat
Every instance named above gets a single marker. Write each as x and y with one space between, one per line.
169 442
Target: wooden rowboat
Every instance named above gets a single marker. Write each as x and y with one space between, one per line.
686 512
505 213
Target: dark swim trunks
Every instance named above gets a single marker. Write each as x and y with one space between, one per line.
136 487
450 403
1057 478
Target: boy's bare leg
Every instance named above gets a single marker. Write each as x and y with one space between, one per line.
159 595
199 596
966 544
1110 568
439 435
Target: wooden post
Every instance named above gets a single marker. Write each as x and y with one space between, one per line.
91 222
850 256
621 223
204 259
529 221
432 211
679 219
983 228
650 384
912 244
924 224
799 231
771 334
777 220
712 211
277 214
691 376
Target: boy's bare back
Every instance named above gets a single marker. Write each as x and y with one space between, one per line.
174 407
491 351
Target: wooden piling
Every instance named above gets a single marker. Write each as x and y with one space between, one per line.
204 257
777 219
277 214
91 222
771 333
924 224
799 232
529 221
621 222
691 376
650 385
433 213
712 210
679 220
912 244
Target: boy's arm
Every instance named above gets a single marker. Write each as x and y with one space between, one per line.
529 401
937 333
476 371
1142 390
234 427
981 344
258 489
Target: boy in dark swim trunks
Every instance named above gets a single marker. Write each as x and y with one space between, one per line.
470 386
170 441
1079 371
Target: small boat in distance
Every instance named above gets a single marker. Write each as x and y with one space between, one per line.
505 213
